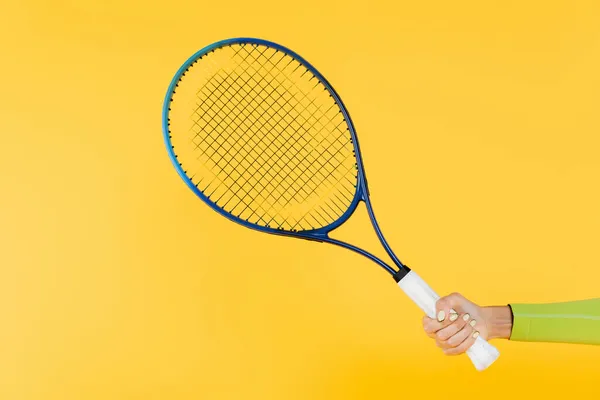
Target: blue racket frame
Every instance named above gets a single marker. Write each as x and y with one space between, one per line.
321 234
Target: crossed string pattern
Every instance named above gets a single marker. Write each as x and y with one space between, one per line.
263 139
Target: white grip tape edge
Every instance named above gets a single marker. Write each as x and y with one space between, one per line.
481 353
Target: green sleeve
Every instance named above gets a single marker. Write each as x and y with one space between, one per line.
576 322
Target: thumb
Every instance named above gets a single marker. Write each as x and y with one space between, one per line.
448 306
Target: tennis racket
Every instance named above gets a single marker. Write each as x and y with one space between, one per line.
259 135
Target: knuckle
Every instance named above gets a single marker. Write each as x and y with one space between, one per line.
443 341
441 303
425 323
444 335
428 327
467 343
452 341
459 323
450 352
464 346
455 296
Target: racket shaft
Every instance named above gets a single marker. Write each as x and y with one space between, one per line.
481 353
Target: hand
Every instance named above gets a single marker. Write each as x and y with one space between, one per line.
459 322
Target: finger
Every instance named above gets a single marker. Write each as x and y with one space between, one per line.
464 345
432 326
445 307
449 331
459 337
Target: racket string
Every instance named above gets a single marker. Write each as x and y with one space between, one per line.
267 146
278 121
283 193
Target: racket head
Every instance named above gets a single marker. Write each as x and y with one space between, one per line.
360 191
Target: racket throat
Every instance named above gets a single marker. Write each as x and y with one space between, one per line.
401 273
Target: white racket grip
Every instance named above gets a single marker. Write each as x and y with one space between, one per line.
481 353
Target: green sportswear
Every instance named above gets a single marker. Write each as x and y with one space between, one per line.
576 322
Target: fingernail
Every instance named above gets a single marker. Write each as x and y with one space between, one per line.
466 317
441 315
475 334
473 322
453 317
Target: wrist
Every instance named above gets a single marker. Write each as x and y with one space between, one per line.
499 321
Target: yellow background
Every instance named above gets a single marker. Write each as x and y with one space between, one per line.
480 130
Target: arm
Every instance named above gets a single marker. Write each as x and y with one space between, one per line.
459 320
576 322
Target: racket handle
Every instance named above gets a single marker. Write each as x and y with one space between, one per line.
481 353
